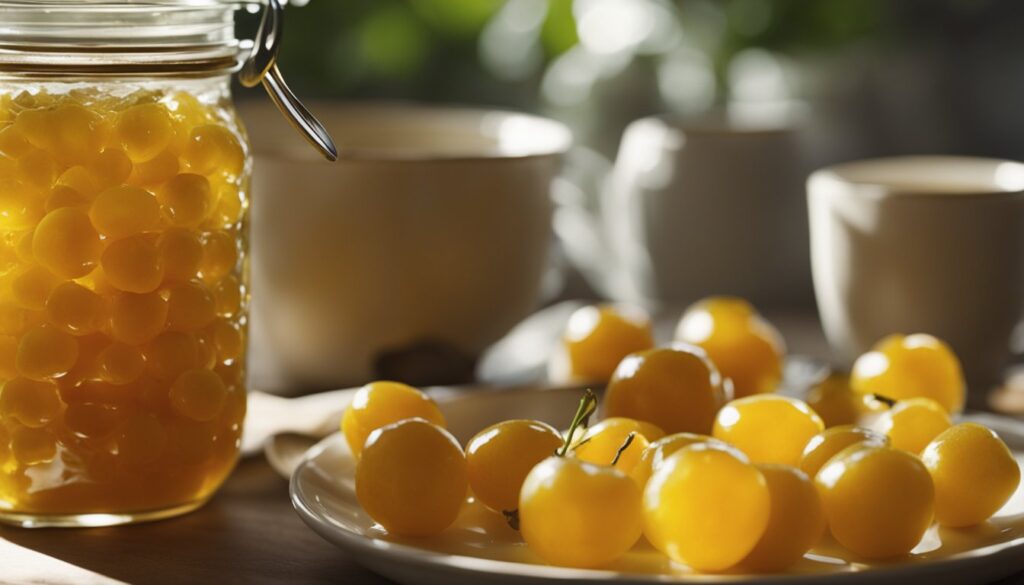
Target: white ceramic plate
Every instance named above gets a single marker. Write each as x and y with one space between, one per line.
480 549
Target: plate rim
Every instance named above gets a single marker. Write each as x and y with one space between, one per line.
356 543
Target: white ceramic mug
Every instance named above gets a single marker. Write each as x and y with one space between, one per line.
931 244
691 208
426 241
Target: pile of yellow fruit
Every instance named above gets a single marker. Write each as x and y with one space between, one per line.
122 299
710 480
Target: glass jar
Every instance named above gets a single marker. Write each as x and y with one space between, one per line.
124 181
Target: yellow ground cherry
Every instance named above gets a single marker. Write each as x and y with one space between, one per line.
212 147
12 142
32 403
745 347
133 264
796 522
768 428
706 506
66 243
181 252
39 169
190 306
228 296
46 352
171 353
577 514
878 501
912 424
111 167
144 130
154 172
75 136
119 363
656 453
32 287
974 474
8 351
411 477
600 444
499 457
597 337
81 179
676 388
33 446
75 309
228 340
20 206
912 366
185 199
64 196
220 253
837 404
381 403
198 394
135 318
125 211
828 443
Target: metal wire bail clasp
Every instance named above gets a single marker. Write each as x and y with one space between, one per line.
261 67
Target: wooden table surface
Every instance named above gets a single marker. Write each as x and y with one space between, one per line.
247 534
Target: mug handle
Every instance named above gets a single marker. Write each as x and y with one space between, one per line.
578 221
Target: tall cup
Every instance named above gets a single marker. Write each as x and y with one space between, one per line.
931 244
425 243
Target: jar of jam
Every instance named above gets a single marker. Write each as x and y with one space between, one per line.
124 182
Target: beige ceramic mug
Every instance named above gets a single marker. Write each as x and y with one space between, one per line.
424 243
931 244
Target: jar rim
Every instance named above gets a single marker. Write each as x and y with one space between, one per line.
53 38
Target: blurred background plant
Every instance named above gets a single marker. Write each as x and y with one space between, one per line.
889 77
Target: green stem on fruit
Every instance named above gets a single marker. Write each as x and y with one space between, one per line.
625 445
587 407
889 402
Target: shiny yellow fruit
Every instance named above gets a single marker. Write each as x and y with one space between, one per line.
837 404
912 366
46 352
190 306
66 243
974 474
912 424
135 319
796 522
220 253
144 131
120 364
655 454
828 443
601 442
411 477
124 211
133 264
676 388
181 252
768 428
878 501
198 395
185 199
745 347
213 148
30 402
597 337
382 403
499 457
706 506
75 309
577 514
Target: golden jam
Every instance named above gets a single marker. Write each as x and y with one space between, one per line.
122 299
